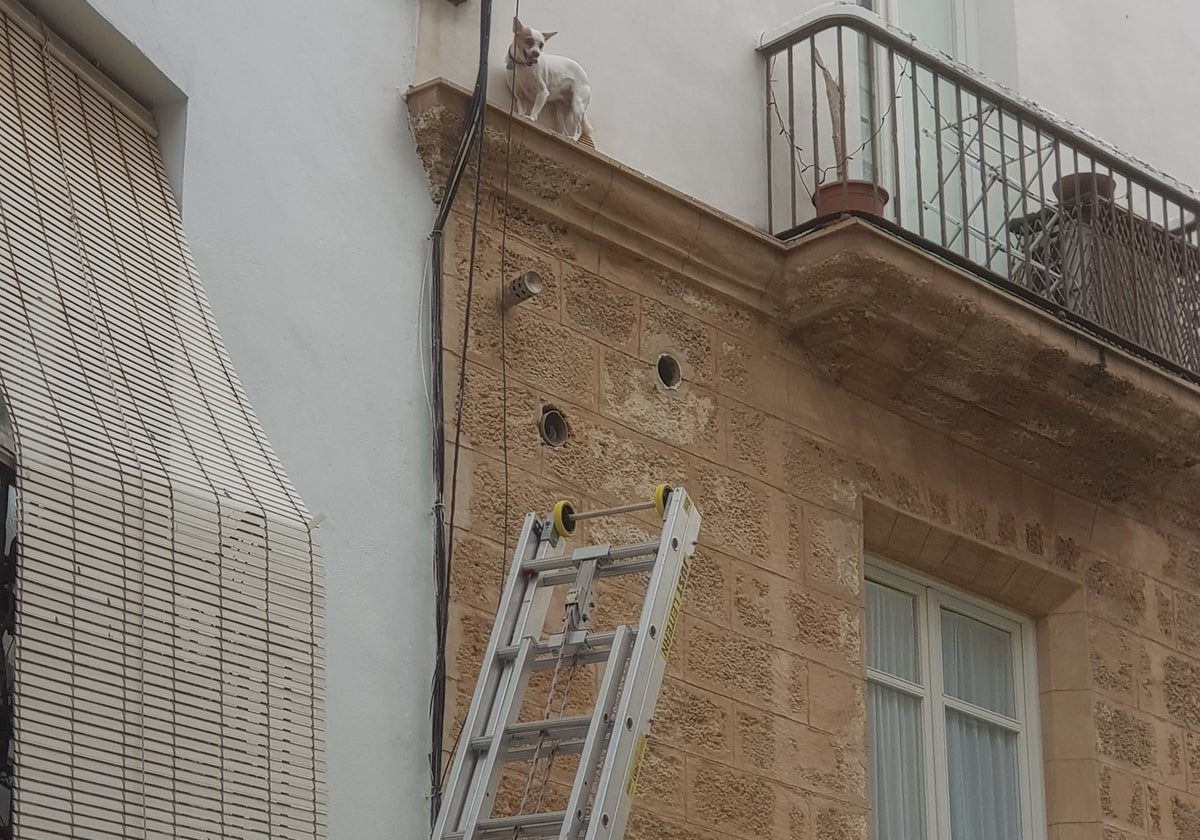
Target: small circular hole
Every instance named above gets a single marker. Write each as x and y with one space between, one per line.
553 427
653 632
674 543
669 373
604 820
629 723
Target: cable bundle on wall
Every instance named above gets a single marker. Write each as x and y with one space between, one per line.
443 548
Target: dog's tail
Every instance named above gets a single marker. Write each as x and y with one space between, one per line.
585 137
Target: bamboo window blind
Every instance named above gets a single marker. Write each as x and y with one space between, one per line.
169 666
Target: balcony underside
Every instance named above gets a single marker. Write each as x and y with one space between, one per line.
906 330
887 321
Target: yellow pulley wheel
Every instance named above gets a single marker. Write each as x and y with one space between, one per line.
564 519
661 493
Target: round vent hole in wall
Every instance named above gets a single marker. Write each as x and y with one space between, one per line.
668 371
553 427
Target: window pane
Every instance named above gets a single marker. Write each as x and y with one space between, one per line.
892 632
932 21
985 801
897 783
978 663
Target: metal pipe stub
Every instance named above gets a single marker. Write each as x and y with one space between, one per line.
565 516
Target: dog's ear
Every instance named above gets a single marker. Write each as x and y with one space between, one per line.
548 35
517 27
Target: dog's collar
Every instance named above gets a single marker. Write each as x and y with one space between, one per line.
512 61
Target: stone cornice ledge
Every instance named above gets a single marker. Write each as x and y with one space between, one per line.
601 196
890 321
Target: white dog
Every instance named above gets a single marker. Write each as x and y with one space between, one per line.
537 78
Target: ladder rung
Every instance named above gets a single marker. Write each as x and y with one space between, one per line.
567 561
624 567
591 648
529 752
553 729
529 825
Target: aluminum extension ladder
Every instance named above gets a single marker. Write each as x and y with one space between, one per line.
610 741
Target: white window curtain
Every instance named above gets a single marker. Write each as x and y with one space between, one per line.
949 708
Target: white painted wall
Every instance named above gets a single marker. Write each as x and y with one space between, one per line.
1124 70
677 87
307 212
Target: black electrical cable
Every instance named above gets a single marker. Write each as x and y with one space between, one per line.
443 551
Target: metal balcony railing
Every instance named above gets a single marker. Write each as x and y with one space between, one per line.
863 119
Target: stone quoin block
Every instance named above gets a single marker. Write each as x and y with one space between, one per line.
1181 690
752 607
834 559
600 309
751 375
750 443
1123 797
707 594
818 473
825 629
645 823
542 355
1116 591
837 822
665 329
1187 621
730 801
548 235
691 719
728 662
837 703
1183 562
490 412
480 567
469 632
483 503
630 394
1113 658
662 783
493 270
611 462
736 511
1124 735
754 739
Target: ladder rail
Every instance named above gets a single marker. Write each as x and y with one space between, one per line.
488 767
644 674
610 738
515 613
603 721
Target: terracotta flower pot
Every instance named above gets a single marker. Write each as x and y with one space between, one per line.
1084 186
850 196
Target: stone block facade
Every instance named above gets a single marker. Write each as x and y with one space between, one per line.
761 726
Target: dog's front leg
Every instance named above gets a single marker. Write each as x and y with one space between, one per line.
538 104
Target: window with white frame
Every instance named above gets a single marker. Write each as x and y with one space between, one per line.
952 714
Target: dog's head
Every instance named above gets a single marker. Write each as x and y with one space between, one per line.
528 43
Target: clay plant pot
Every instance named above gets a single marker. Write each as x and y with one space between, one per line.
851 196
1084 187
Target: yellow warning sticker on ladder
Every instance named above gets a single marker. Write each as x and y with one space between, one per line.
676 604
639 750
